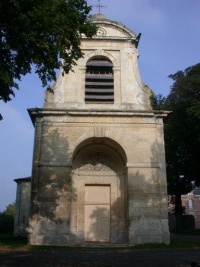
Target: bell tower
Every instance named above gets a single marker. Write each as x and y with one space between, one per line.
107 77
99 159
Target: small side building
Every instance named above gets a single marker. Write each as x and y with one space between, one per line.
191 202
22 206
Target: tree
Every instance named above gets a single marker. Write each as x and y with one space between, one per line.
157 101
182 128
7 219
182 132
44 34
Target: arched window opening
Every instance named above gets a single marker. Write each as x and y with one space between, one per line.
99 81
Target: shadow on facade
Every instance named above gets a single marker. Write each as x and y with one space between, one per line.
100 180
137 209
58 198
51 189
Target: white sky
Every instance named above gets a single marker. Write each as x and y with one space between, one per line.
170 42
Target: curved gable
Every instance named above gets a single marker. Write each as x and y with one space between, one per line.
108 29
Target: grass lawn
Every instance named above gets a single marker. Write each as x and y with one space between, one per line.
8 241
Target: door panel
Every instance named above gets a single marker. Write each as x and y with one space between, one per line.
97 216
97 194
104 225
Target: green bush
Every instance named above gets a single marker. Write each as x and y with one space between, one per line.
7 219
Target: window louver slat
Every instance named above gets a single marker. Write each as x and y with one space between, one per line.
99 81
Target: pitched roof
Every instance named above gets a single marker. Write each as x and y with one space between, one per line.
196 191
25 179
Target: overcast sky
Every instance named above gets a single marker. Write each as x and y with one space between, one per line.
170 42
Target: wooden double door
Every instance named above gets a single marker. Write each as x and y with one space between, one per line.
97 213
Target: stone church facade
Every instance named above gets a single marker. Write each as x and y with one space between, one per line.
99 160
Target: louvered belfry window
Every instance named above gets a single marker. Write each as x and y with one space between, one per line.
99 81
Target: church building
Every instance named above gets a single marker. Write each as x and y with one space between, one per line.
99 172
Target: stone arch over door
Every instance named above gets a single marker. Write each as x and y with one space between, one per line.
99 192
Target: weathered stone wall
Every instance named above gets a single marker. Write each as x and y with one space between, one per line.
22 206
50 224
126 131
57 203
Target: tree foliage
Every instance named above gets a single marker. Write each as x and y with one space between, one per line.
183 127
7 219
182 130
40 33
157 101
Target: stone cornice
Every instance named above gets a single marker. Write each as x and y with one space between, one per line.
39 112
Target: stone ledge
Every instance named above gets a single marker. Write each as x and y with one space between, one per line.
143 165
55 163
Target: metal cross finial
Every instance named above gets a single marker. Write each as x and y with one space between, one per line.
99 6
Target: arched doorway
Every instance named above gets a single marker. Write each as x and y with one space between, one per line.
99 192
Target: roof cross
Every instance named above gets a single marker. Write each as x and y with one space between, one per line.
99 6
